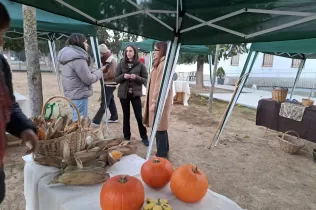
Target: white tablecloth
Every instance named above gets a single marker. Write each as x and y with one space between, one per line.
184 87
40 196
24 103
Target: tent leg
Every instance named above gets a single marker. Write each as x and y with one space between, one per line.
239 86
298 75
150 61
210 65
52 53
95 48
169 68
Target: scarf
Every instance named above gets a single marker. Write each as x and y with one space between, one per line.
5 114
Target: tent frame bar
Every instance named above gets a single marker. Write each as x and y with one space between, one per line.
76 10
308 17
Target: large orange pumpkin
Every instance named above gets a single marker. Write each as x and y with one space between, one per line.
188 183
156 172
122 192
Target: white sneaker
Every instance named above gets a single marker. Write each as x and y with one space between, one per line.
112 121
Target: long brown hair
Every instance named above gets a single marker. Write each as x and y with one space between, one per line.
4 17
162 47
135 53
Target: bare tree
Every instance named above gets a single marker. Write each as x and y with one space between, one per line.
34 77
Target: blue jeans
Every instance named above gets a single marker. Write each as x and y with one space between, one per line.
82 105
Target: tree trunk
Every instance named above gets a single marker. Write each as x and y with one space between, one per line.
199 73
210 99
34 77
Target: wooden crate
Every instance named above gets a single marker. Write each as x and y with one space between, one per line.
179 98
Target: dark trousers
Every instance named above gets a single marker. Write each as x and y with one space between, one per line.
162 143
2 185
110 104
137 107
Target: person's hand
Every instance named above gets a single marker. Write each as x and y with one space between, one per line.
99 100
127 76
133 76
103 68
31 138
152 107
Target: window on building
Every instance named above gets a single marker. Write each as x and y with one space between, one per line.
295 63
267 60
235 60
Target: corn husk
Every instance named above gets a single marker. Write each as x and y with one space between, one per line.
87 157
54 161
111 159
82 176
125 149
104 145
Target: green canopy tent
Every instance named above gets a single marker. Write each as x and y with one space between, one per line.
148 46
295 49
50 27
192 22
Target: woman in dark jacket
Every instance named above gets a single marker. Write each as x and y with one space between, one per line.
12 120
131 75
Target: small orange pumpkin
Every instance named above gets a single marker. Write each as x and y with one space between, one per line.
156 172
122 192
189 184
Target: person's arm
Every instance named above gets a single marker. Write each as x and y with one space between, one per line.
157 83
143 75
84 73
18 122
119 76
110 73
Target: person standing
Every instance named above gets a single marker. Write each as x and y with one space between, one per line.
131 75
77 78
12 119
153 87
110 64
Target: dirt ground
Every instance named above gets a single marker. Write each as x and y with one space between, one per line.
246 167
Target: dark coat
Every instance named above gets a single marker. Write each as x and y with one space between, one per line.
19 122
141 73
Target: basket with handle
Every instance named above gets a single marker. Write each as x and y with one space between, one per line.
279 94
290 144
67 145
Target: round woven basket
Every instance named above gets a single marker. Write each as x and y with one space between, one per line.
279 94
290 144
307 102
67 145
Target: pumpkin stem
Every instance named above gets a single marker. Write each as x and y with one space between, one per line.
156 161
123 179
195 169
158 203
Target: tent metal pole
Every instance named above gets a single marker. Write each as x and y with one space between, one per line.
210 65
298 75
150 61
240 85
171 61
95 48
53 57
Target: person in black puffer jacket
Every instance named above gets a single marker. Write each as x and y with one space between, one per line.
131 74
12 120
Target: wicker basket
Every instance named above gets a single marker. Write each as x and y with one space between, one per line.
279 94
65 146
307 102
290 144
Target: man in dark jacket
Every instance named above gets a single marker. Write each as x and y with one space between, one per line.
17 123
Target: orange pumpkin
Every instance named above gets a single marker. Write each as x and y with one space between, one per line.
189 184
156 172
122 192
